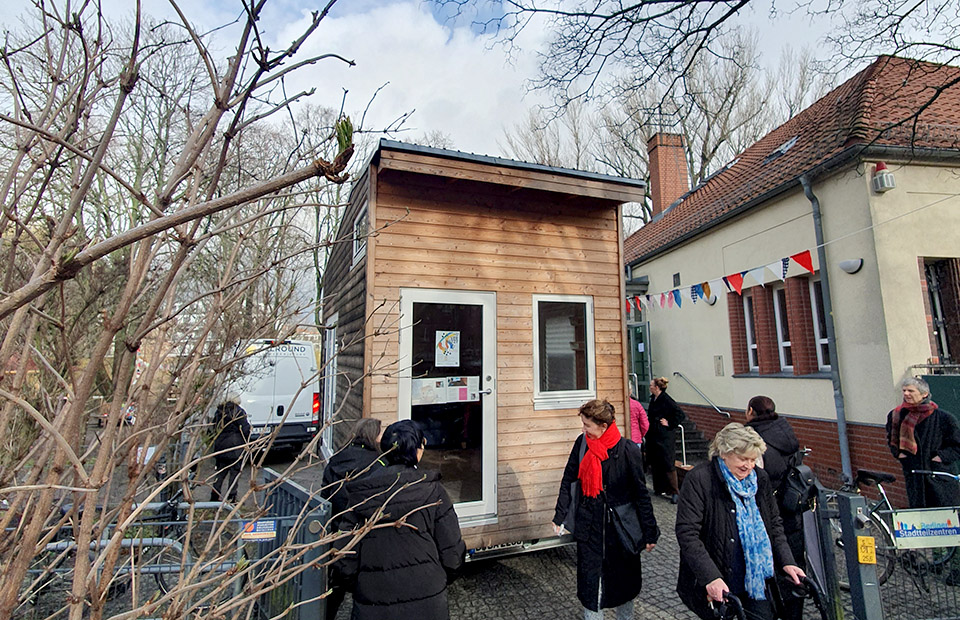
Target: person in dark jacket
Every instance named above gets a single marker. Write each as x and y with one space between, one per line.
665 415
729 530
782 447
924 437
610 474
232 433
359 457
401 572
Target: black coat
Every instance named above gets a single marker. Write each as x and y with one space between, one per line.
232 431
599 551
401 572
708 536
661 441
354 460
938 435
781 445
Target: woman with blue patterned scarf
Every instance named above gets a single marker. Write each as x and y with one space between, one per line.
729 529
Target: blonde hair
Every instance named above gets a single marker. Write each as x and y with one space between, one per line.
736 437
661 382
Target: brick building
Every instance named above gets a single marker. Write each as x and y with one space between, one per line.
867 181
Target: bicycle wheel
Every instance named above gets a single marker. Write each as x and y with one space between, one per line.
886 552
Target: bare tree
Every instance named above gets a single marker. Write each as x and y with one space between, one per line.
157 212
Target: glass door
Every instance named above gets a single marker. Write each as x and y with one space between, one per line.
640 369
448 365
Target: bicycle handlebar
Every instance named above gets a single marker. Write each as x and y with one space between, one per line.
936 473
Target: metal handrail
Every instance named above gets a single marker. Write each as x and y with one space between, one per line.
683 444
702 395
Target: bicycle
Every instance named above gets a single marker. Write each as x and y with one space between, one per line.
878 524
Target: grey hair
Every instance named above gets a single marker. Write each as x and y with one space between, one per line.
916 382
736 437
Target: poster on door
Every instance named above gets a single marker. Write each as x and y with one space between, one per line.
441 390
448 349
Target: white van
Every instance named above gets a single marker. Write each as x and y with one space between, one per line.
280 391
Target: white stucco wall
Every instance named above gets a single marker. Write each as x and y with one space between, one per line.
878 312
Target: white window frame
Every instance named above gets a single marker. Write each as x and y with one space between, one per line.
820 340
328 406
566 399
782 343
753 351
360 239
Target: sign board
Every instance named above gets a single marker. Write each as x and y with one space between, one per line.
261 529
866 550
448 349
440 390
923 528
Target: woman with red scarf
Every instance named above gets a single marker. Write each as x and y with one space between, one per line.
924 437
610 473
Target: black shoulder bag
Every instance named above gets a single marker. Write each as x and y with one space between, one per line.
571 518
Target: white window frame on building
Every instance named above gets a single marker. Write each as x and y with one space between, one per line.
360 233
780 310
819 335
753 351
572 398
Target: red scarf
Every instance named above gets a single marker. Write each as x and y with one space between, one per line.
591 473
902 426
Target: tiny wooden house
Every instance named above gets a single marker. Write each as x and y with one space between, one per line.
484 299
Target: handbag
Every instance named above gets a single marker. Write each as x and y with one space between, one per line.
626 523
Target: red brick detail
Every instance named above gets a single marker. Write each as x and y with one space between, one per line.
927 311
738 334
669 178
868 447
765 326
800 320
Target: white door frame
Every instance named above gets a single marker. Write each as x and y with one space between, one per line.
485 510
329 384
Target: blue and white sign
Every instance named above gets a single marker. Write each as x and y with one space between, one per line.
923 528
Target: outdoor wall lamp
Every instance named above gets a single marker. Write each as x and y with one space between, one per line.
852 265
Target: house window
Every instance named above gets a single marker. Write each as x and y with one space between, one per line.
564 351
752 350
360 234
783 328
819 325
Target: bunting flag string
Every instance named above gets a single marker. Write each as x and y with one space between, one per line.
734 283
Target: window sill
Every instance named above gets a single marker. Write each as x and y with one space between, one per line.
782 375
545 403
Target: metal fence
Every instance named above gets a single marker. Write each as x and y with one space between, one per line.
295 518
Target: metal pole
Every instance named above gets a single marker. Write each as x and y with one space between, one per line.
864 586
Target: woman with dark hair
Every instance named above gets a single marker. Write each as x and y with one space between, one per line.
232 433
610 471
665 415
401 572
355 459
924 437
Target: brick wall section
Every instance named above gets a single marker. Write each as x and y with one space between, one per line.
868 447
668 170
765 325
738 334
800 321
927 311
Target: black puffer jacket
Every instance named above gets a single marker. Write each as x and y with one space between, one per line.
354 460
599 552
401 572
781 444
708 536
232 431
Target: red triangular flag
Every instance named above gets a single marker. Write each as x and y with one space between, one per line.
636 301
804 260
627 301
736 281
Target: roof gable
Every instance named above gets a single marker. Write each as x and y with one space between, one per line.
873 108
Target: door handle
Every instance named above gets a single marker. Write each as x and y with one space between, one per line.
487 391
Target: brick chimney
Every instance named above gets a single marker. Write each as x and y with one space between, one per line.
669 178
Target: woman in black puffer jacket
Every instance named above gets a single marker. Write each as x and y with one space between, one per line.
401 572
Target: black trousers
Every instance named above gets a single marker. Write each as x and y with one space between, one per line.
225 483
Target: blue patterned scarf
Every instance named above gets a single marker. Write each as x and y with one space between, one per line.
757 552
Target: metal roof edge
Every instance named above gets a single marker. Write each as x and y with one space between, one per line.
500 161
818 170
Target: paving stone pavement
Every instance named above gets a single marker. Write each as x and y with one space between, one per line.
543 584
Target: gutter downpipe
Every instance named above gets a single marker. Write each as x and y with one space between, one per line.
831 333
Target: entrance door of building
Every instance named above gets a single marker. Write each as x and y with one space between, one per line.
640 366
447 386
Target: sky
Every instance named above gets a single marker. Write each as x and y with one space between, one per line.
454 79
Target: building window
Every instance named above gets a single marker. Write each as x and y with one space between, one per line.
360 234
783 327
564 351
819 325
752 350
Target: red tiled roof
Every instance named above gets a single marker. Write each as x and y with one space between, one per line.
873 108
